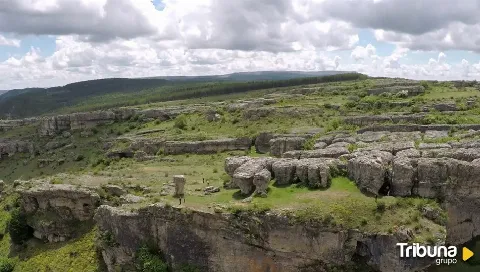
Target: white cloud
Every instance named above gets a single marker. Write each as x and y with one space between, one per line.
131 38
9 42
360 53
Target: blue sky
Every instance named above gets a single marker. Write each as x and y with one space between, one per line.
47 43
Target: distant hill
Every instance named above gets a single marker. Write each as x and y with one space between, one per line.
253 76
27 102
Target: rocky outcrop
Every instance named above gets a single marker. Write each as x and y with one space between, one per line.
56 212
12 147
421 128
237 243
445 107
370 119
262 142
404 90
284 171
53 125
278 146
179 181
370 170
207 147
244 175
260 181
11 124
315 173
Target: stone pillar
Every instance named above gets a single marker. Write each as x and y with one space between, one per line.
179 181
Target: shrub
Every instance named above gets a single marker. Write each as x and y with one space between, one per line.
6 265
17 227
381 206
180 122
148 261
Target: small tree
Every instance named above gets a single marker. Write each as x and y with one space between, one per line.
181 122
17 227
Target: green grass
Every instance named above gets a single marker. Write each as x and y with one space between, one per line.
79 255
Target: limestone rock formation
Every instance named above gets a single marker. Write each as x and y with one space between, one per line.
278 146
315 173
55 211
237 243
244 175
370 170
260 181
179 181
12 147
232 163
207 147
262 142
284 171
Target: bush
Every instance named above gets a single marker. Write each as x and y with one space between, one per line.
6 265
180 122
381 206
148 261
17 227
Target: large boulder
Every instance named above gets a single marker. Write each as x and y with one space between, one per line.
232 163
179 181
284 171
56 212
278 146
404 173
207 147
370 171
243 175
315 173
433 176
262 142
261 180
329 152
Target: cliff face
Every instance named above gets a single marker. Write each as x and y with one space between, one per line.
242 242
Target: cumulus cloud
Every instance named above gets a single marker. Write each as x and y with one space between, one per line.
418 25
9 42
134 38
95 19
360 53
405 16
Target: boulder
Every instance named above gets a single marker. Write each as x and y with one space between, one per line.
207 147
319 145
435 134
423 146
278 146
232 163
262 142
409 153
370 171
404 173
445 107
315 173
55 211
329 152
284 171
114 190
179 181
433 177
261 180
243 175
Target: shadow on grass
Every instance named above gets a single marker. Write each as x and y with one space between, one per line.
239 196
35 246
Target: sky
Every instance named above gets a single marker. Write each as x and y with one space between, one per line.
54 42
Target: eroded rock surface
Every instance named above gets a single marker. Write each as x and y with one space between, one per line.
220 242
56 212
